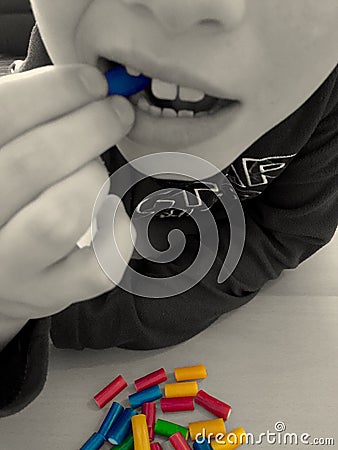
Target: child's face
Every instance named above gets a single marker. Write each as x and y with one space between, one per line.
267 56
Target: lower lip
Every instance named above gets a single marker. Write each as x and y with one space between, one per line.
181 132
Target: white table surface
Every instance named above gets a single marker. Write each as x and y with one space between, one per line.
274 359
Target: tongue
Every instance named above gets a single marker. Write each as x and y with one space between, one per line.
204 105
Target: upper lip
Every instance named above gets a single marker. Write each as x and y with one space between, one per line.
170 72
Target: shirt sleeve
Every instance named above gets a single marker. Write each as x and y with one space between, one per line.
298 214
293 218
16 22
23 367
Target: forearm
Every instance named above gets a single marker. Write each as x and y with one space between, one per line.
123 319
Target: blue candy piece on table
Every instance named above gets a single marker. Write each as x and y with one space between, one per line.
147 395
121 428
121 83
95 442
113 414
201 446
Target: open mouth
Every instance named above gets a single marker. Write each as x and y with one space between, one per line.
168 100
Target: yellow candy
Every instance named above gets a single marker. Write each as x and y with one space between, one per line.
186 389
140 432
190 373
233 440
207 429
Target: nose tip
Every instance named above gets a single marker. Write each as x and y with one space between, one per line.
178 16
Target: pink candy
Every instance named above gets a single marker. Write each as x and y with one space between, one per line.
155 446
212 404
110 391
177 404
178 442
152 379
149 410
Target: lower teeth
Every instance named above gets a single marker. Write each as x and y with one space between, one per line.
142 102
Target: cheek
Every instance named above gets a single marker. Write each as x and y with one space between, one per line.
297 32
298 47
57 21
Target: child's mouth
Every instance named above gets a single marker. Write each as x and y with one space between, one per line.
171 116
169 100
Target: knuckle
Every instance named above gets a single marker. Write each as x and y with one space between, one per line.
23 159
93 179
67 214
98 171
30 159
11 162
91 79
56 224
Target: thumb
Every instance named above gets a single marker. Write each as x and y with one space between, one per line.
124 111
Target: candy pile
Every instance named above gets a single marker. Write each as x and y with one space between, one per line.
136 427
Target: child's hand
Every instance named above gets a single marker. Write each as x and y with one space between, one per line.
54 124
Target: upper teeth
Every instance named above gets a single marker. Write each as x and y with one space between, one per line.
133 72
163 90
190 95
169 91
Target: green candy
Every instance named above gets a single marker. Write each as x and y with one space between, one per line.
165 428
127 444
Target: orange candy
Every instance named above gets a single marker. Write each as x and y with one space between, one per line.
186 389
233 440
207 428
140 432
190 373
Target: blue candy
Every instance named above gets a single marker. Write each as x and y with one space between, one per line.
148 395
113 414
95 442
121 83
121 428
202 446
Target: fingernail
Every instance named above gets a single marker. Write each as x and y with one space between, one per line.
124 110
94 81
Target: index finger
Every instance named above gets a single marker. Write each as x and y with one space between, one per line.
38 96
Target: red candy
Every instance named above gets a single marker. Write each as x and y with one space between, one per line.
212 404
177 404
110 391
155 446
178 442
149 410
150 380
